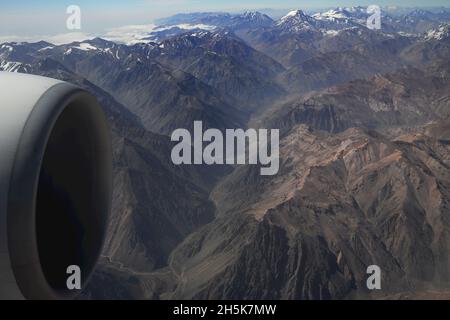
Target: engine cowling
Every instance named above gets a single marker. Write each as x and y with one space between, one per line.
55 185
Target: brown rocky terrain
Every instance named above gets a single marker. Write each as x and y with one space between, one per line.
407 97
341 203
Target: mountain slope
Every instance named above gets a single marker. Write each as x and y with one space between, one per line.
406 98
224 62
332 211
142 84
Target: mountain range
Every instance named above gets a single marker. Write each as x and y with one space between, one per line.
364 178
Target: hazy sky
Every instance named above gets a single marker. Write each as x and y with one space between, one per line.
31 18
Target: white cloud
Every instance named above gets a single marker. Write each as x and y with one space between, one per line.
129 34
133 34
186 26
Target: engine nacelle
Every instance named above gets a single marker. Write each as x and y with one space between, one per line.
55 185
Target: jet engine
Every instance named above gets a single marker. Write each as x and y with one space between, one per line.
55 186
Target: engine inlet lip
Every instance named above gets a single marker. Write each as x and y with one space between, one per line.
23 189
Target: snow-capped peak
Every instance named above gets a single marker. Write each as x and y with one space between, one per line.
296 21
294 14
333 14
95 46
355 9
255 16
341 13
251 14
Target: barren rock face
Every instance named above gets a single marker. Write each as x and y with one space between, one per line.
407 97
354 200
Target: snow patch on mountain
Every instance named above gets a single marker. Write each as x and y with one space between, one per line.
46 48
12 66
331 33
297 15
85 47
439 33
296 21
7 47
331 15
255 16
343 15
